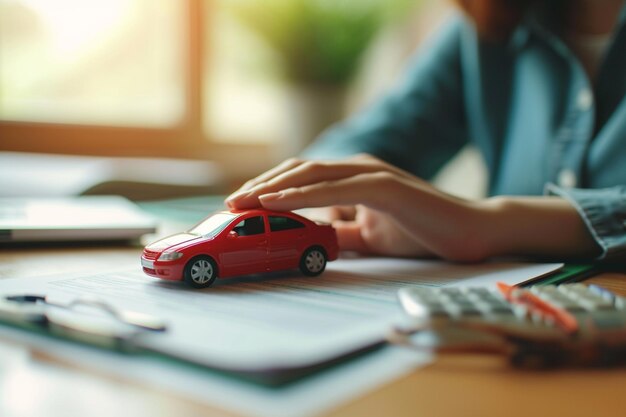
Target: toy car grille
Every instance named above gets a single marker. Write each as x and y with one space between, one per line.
148 254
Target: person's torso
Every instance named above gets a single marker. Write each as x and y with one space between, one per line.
537 118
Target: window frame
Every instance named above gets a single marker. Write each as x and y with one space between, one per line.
242 224
187 139
291 220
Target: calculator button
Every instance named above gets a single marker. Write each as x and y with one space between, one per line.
558 295
541 290
421 312
602 292
490 298
480 292
520 311
460 299
483 291
558 298
595 304
502 313
601 301
451 291
501 309
474 298
589 295
428 299
569 305
470 309
420 309
481 304
577 288
495 302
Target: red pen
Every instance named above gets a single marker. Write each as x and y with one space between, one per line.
563 318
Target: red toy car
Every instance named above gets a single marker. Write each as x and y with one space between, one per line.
243 242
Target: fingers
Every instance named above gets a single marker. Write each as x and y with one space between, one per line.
349 236
292 174
345 212
268 175
304 174
370 189
385 240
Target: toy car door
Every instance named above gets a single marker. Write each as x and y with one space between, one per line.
285 242
244 249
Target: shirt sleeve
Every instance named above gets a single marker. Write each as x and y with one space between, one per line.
604 212
421 124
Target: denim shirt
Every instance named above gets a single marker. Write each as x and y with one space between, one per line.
528 105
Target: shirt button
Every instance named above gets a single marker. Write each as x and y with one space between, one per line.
585 99
567 178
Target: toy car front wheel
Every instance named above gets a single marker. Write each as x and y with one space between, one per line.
313 261
200 272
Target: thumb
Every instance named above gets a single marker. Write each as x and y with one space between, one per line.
349 236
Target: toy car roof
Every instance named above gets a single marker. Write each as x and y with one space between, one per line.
262 211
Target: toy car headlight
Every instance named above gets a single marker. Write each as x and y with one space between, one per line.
170 256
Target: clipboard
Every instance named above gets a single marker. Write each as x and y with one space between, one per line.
270 330
32 313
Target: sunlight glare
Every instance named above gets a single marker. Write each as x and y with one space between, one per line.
75 24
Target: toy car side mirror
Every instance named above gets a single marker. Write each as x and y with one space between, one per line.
232 234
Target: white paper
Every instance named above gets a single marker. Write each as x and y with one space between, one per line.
280 320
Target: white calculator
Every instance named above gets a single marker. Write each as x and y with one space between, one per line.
597 333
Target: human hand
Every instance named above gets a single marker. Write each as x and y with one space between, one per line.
387 211
367 231
378 208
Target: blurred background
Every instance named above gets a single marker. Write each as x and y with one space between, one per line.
218 89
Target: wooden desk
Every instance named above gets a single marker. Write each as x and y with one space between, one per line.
32 384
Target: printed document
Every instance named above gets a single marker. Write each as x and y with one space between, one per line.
276 322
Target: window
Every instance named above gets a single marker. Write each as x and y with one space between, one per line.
251 226
172 78
113 78
244 102
113 62
280 223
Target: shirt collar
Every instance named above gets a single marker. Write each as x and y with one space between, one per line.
531 24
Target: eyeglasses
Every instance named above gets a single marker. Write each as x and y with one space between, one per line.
116 328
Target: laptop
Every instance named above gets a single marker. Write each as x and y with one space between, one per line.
88 218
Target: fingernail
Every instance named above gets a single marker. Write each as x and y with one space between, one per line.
271 196
237 196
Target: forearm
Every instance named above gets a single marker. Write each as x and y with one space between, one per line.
535 226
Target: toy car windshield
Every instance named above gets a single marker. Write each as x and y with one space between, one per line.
213 225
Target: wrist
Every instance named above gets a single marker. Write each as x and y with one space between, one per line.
484 226
534 226
491 218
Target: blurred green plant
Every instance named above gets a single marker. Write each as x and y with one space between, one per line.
320 42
